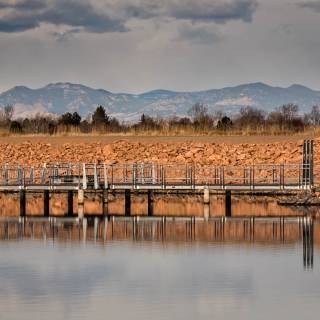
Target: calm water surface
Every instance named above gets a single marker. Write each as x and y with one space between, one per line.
69 279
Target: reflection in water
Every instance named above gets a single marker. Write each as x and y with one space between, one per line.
308 243
265 231
141 269
164 205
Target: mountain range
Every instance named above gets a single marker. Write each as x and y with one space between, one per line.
59 98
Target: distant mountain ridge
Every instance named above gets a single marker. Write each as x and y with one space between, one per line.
58 98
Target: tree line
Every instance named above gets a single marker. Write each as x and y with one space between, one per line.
286 118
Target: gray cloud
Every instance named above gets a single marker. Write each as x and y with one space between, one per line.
201 10
218 11
74 13
198 34
112 16
313 5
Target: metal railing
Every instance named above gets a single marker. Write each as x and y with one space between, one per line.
137 176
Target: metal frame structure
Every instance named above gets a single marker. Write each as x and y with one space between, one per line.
159 177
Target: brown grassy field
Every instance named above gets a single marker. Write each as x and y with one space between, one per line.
111 138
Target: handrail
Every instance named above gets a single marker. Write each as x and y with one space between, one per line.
103 175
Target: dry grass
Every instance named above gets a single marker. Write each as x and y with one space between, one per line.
172 132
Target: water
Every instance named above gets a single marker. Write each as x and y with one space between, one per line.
55 273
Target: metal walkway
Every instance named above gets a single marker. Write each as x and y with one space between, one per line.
160 177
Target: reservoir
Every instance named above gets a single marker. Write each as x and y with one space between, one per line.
220 269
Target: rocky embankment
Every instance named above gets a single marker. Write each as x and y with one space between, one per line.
124 151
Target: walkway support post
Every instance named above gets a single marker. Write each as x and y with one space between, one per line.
22 202
46 203
228 211
80 204
206 203
127 200
70 203
150 203
105 201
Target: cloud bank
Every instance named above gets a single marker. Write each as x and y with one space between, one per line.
112 15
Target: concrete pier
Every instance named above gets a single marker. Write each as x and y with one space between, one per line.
206 203
80 203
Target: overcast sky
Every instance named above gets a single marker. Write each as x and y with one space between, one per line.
139 45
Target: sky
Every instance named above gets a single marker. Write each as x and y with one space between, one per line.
140 45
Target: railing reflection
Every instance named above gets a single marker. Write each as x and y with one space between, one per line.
265 231
308 242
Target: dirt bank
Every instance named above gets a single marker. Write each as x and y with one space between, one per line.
157 150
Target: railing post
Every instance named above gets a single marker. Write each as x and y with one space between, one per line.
162 176
105 176
282 176
222 177
134 176
95 177
84 177
6 174
43 174
31 175
194 177
154 174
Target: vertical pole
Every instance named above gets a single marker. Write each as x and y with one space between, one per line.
127 200
154 177
70 203
206 203
150 203
95 177
80 204
311 162
307 165
84 177
46 202
22 203
228 210
105 176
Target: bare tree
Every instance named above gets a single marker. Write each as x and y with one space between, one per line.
289 112
198 112
6 114
250 117
314 116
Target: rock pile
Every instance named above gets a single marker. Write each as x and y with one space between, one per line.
123 151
